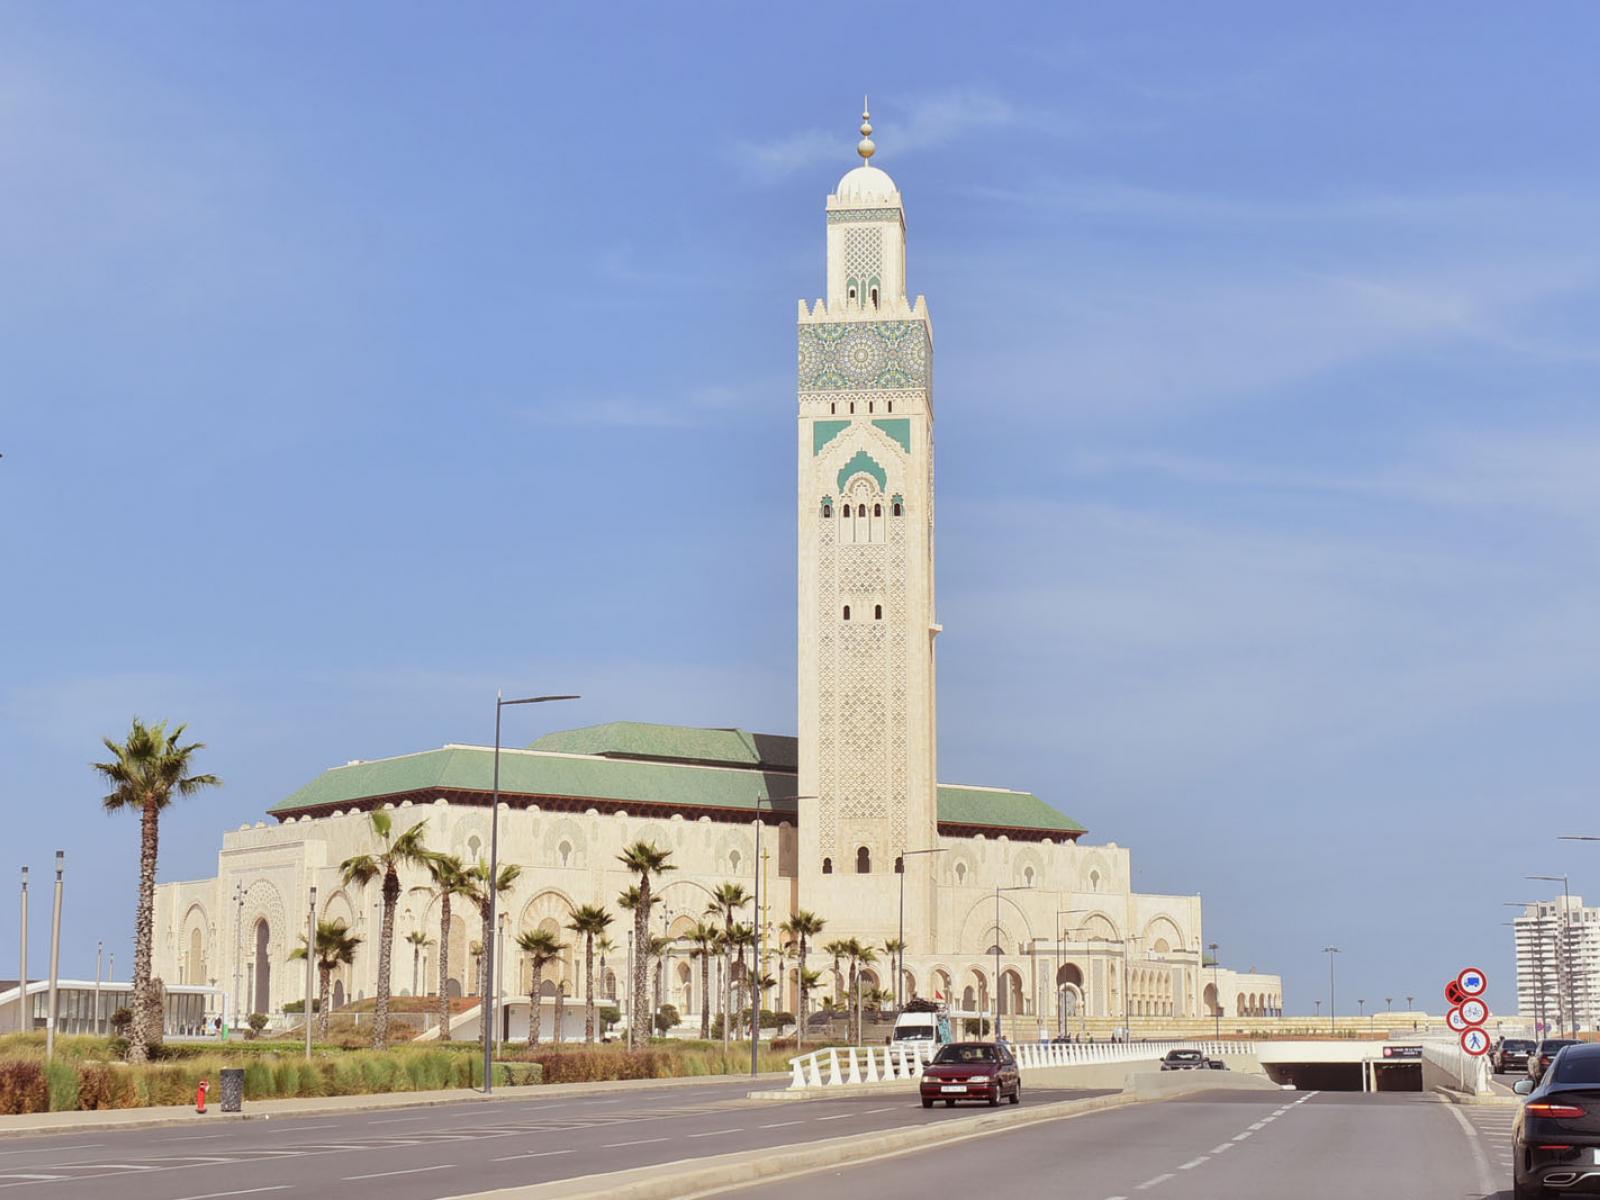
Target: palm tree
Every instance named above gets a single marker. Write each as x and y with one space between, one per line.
407 850
860 956
145 772
590 921
704 941
450 879
541 946
561 1008
808 980
743 937
836 950
892 950
605 945
644 859
336 947
479 875
658 949
802 927
419 940
727 899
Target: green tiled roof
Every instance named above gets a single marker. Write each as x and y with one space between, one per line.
629 763
681 743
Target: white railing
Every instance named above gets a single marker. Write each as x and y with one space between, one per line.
1470 1072
841 1066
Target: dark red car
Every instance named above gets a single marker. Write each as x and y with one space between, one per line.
971 1071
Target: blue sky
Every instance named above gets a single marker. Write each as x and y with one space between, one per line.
355 362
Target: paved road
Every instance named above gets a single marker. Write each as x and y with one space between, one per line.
1214 1146
426 1153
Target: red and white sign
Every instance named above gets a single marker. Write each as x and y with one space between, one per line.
1475 1041
1453 995
1457 1020
1472 981
1474 1011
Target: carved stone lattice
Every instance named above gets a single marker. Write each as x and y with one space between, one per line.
863 255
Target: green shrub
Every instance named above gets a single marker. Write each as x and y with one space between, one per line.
62 1078
258 1081
103 1086
23 1088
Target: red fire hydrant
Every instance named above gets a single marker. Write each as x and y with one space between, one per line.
200 1097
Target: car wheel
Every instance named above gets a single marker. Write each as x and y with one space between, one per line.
926 1103
949 1103
1523 1191
1016 1094
994 1100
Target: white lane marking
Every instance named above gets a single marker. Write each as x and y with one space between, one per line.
639 1142
888 1108
277 1187
1479 1159
1194 1162
716 1132
535 1154
1240 1137
63 1149
304 1128
396 1120
1150 1183
840 1117
192 1137
32 1178
1221 1148
777 1125
412 1171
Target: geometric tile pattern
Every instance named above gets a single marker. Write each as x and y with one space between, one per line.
863 354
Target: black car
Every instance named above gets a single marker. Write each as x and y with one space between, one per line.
1555 1139
1511 1054
1184 1060
1543 1052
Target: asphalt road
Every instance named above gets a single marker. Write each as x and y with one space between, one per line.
1213 1146
426 1153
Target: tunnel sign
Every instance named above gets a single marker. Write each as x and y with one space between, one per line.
1456 1020
1472 982
1474 1012
1475 1041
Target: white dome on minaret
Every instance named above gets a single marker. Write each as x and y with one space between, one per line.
865 182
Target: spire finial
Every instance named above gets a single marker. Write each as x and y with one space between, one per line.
866 147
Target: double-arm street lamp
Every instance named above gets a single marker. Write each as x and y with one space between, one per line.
1021 887
1569 1005
492 883
900 954
1216 992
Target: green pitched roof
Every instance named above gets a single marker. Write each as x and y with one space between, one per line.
632 763
679 743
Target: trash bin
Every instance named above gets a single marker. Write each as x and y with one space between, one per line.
232 1089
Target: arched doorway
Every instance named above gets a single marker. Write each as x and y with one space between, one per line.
1069 995
1213 1009
338 994
1011 993
262 999
195 966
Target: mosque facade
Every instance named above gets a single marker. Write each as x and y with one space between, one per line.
997 896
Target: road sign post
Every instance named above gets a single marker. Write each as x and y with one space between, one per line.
1468 1012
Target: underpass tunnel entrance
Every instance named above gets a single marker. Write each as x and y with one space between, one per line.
1397 1077
1318 1076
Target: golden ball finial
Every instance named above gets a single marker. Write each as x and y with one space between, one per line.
866 147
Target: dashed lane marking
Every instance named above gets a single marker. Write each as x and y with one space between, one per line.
1150 1183
534 1154
1239 1137
277 1187
839 1117
412 1171
777 1125
637 1142
1194 1162
715 1133
1221 1148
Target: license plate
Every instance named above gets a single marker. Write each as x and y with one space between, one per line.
1597 1156
961 1087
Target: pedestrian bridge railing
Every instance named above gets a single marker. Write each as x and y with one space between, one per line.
1467 1072
841 1066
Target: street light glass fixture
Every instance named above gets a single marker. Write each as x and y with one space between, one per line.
486 1003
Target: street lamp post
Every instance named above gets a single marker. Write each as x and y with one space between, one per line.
900 954
1541 1003
99 963
23 1022
1127 999
311 955
1568 1001
1021 887
761 933
1061 1017
492 883
1216 992
1333 1020
238 952
55 962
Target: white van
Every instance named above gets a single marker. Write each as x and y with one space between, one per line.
921 1027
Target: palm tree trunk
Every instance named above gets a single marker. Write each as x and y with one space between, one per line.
800 1017
588 989
561 1010
726 989
380 1019
639 1019
705 994
143 933
444 967
533 1000
323 973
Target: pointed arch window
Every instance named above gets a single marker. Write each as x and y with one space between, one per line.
827 866
847 512
863 861
877 612
877 510
846 612
899 509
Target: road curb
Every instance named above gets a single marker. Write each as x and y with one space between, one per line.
675 1181
53 1124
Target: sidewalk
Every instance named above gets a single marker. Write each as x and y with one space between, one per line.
110 1120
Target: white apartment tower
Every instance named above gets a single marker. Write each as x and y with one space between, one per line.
866 599
1558 964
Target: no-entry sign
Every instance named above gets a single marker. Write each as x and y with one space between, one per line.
1475 1041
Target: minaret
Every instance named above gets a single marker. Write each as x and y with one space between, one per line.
866 611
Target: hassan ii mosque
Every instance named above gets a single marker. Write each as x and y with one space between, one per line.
1075 942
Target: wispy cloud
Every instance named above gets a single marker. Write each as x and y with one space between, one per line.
921 123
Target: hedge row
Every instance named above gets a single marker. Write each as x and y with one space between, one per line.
28 1085
587 1064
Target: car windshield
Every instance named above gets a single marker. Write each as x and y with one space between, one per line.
1518 1044
914 1033
1184 1055
965 1054
1578 1068
1554 1044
